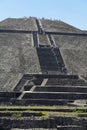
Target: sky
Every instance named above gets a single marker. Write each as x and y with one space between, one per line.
73 12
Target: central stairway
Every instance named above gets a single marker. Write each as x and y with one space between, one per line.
50 60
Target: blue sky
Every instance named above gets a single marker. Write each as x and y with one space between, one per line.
73 12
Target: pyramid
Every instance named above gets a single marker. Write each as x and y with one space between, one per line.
44 63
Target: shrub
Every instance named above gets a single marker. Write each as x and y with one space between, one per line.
17 114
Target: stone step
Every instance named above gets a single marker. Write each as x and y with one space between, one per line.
71 127
35 129
78 89
72 82
48 102
55 95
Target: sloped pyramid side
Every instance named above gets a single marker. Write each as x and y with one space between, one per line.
26 24
58 26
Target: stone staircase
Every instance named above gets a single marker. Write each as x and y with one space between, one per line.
63 97
50 60
48 90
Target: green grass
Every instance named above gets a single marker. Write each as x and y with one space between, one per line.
79 110
16 114
44 111
42 106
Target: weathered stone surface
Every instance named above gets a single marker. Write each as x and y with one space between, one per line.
16 61
19 24
75 61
